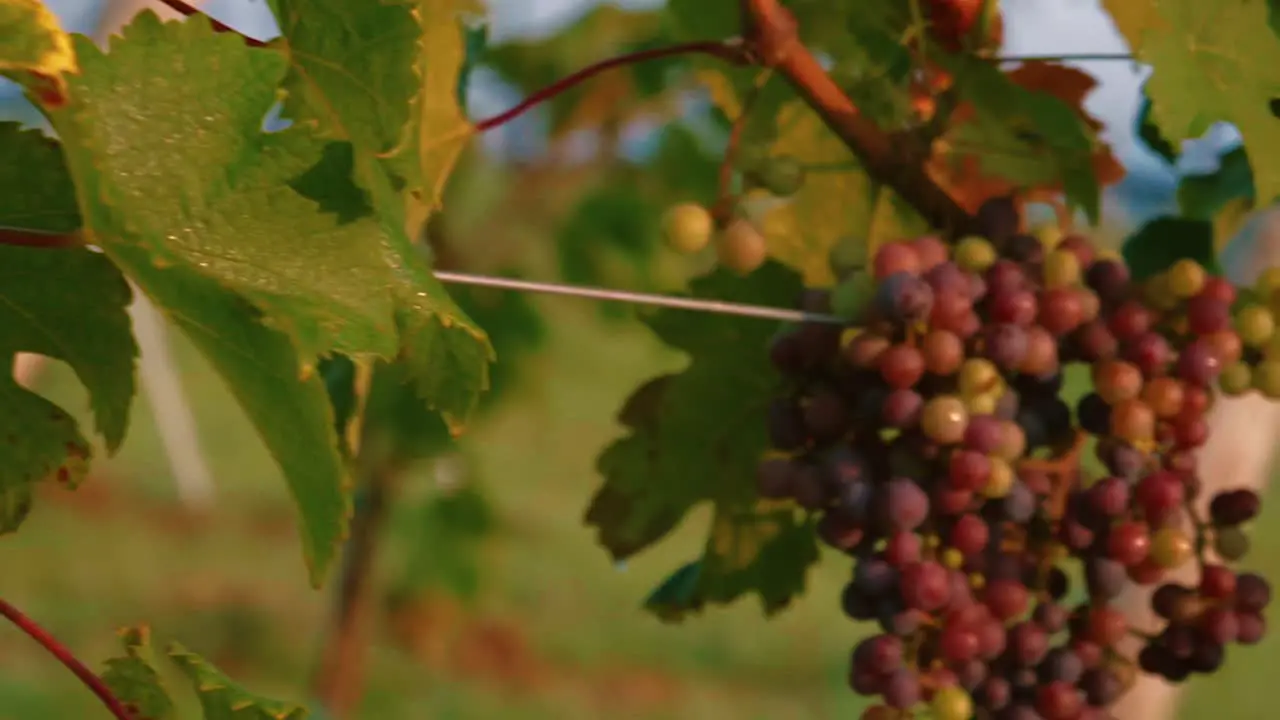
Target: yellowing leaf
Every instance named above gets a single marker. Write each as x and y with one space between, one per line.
1212 61
34 49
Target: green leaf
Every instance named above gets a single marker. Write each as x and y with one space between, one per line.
697 436
1026 137
766 549
1149 134
38 440
36 192
222 699
134 679
1203 196
32 41
1163 241
1206 68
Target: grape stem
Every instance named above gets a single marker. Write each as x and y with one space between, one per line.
65 656
773 33
723 209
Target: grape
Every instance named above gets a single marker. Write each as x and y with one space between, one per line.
786 425
944 419
1061 311
774 478
969 535
1028 643
1133 421
1206 658
975 254
1005 345
1198 363
826 415
1061 269
1115 381
1109 279
687 227
1253 592
1234 507
1061 665
907 504
902 689
1107 626
1019 502
1101 687
901 366
1150 352
1051 616
1217 582
893 258
840 531
1165 396
977 376
741 248
1231 543
1207 314
808 488
1159 494
854 297
1266 378
925 586
1226 345
1256 326
1095 342
1250 628
1129 543
1104 577
968 470
902 549
902 409
1220 625
904 298
1186 278
951 703
943 352
1236 379
1006 598
781 175
1041 358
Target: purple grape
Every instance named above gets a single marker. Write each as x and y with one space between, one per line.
907 505
1005 345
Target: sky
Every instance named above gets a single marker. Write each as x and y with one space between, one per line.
1032 27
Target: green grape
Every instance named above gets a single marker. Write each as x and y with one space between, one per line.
848 256
1186 278
1255 325
951 703
1049 235
853 296
741 248
782 175
978 376
751 156
1266 378
687 227
1232 543
1236 379
944 419
1061 269
975 254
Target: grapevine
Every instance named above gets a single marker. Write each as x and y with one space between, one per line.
998 424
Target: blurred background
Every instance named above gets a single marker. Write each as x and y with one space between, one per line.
491 599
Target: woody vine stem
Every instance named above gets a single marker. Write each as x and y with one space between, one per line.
770 40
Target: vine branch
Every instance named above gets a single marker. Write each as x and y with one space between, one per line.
67 658
730 51
775 38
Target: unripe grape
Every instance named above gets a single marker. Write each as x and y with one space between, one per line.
741 248
781 175
1000 480
1255 324
978 376
687 227
848 256
951 703
1061 269
1266 378
1171 548
1186 278
1232 543
854 296
1236 379
975 254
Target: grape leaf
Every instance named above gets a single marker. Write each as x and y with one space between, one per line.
1015 136
38 440
437 130
1161 242
1206 68
222 699
1150 134
136 681
767 549
88 329
33 46
234 203
134 678
1202 196
168 167
696 436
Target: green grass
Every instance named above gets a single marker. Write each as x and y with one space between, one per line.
232 590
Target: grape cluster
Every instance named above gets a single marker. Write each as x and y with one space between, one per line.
933 438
